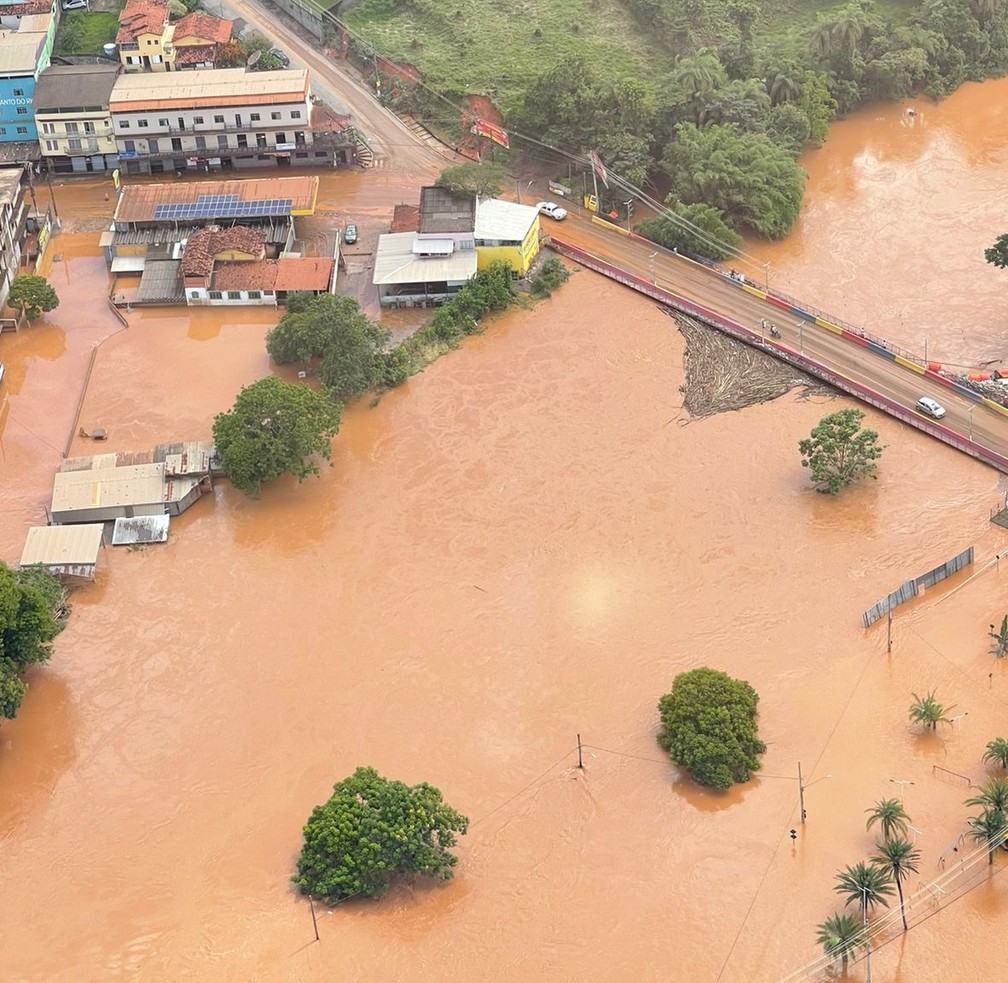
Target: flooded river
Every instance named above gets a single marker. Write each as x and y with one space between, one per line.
524 543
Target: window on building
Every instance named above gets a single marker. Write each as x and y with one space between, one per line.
254 117
163 123
89 127
194 295
48 128
254 295
22 130
152 146
134 60
22 110
52 144
281 138
71 128
201 143
218 119
3 131
197 121
124 124
129 146
275 116
142 123
215 295
19 92
73 144
295 114
234 295
222 143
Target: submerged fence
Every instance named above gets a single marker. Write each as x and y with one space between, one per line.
910 588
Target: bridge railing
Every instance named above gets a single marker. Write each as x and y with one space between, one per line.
749 337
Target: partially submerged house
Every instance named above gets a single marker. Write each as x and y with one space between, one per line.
68 552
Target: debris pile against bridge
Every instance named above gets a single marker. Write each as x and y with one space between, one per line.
723 374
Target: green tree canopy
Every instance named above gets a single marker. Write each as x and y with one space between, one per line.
928 711
839 452
901 859
33 611
333 328
32 295
988 829
755 183
840 935
890 816
473 180
867 885
373 830
998 253
275 428
703 231
997 752
708 727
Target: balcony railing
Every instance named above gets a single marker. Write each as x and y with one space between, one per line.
206 152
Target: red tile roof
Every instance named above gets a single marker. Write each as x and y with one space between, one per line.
326 120
195 54
141 17
33 7
202 247
260 275
203 27
309 273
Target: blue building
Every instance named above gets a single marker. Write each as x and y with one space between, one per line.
26 42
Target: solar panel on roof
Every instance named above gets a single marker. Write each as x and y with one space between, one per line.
223 206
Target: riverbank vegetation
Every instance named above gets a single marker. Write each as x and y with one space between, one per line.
708 727
33 611
373 831
717 99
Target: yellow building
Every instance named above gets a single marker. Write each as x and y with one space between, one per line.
145 37
506 231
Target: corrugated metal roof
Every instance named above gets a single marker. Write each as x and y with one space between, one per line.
190 458
210 87
110 487
395 262
496 219
128 264
19 53
58 545
140 529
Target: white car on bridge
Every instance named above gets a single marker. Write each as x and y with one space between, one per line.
929 407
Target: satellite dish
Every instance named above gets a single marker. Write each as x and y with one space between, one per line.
253 58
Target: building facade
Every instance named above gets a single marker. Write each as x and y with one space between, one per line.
224 118
506 232
144 38
24 53
72 115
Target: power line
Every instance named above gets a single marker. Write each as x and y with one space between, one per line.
523 789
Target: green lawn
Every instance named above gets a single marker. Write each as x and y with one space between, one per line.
81 33
498 47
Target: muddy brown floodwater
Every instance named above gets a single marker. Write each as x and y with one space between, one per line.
526 542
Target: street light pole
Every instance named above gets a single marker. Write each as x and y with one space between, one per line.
654 276
766 271
970 411
801 795
801 345
902 783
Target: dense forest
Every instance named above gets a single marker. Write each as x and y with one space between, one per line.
715 98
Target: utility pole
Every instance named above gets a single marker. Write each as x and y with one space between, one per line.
580 762
311 904
801 794
864 911
889 630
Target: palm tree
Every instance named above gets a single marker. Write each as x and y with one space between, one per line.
783 86
867 884
823 41
993 796
901 858
1000 638
997 752
989 828
891 817
928 711
839 936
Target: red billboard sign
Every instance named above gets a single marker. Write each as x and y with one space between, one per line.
484 129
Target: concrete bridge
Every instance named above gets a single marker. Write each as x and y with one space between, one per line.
871 370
